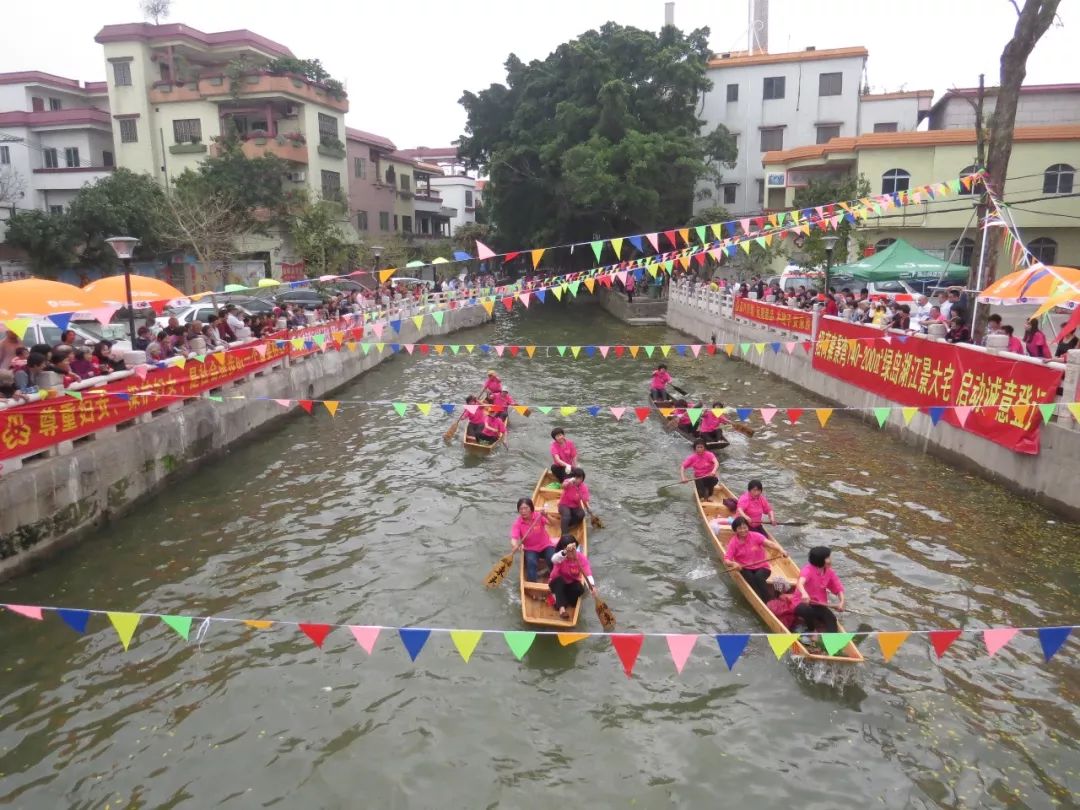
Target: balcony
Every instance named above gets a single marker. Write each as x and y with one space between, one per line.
218 88
430 202
261 147
69 178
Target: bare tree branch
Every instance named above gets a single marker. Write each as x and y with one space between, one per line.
12 185
207 224
155 10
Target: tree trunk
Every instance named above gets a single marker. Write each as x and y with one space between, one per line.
1033 20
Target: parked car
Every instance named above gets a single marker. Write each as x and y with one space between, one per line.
200 311
305 298
42 330
898 290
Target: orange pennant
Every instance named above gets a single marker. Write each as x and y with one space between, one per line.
331 405
536 256
258 624
890 642
823 415
566 639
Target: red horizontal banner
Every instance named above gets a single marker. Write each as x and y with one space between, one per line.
793 320
924 374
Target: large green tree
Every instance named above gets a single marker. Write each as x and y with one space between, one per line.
824 192
122 204
48 239
601 137
253 185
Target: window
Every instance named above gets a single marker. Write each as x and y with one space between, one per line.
55 104
360 168
1043 249
37 104
772 139
56 209
327 128
773 87
733 92
885 126
830 84
5 155
761 191
881 244
361 220
468 198
895 180
405 182
827 132
129 131
71 157
331 184
122 74
187 130
729 193
1058 179
384 220
976 188
961 251
51 161
395 222
406 224
391 176
107 160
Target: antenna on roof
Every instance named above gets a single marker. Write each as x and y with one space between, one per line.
758 13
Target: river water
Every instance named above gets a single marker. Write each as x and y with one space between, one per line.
370 519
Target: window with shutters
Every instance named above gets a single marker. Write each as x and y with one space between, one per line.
331 185
71 157
729 193
328 131
772 139
51 161
733 92
5 155
885 126
187 130
826 132
360 168
129 130
406 224
384 220
361 221
55 104
122 74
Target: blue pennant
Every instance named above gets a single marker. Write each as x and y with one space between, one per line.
744 413
730 227
485 348
448 407
61 319
279 344
461 256
395 347
593 410
309 344
414 639
936 412
396 325
901 338
636 242
540 294
775 348
732 250
1051 639
681 349
732 647
590 351
122 397
75 619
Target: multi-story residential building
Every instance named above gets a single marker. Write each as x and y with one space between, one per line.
55 137
1039 104
1044 161
459 193
893 112
372 200
445 157
398 175
173 90
433 217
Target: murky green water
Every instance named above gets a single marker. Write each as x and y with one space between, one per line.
370 519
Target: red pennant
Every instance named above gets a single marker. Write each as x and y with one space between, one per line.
605 280
628 647
642 413
158 306
943 639
424 348
317 632
305 404
700 259
759 222
807 346
793 414
513 254
711 348
671 238
514 350
508 302
619 350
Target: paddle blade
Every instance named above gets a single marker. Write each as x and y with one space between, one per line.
596 522
527 412
745 430
499 571
604 614
449 435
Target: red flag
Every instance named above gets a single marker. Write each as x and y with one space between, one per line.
508 302
671 238
316 632
793 414
306 405
628 646
619 350
807 346
158 306
514 350
642 413
513 254
711 348
424 348
943 639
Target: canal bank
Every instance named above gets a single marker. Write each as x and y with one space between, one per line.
1045 476
52 502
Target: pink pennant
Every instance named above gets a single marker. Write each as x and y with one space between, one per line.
887 339
680 646
377 328
653 240
409 347
471 409
260 349
998 637
604 350
29 611
141 371
767 415
696 349
284 403
621 276
617 412
962 413
103 314
790 346
365 636
524 298
499 350
745 223
483 251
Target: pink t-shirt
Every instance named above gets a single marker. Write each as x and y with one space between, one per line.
660 378
1015 345
709 421
493 427
493 384
501 401
564 453
749 553
818 581
682 416
536 538
573 495
571 571
754 508
702 464
478 416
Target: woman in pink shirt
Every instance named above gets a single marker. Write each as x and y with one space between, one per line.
710 425
753 506
492 385
570 565
477 418
1014 345
574 500
1035 341
746 554
658 387
500 404
494 429
530 531
563 454
816 581
704 466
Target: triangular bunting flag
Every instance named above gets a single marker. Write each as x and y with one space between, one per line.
909 413
835 642
598 248
316 632
536 256
890 642
29 611
997 637
767 415
75 619
680 646
642 413
731 647
793 414
519 641
627 646
365 637
1051 639
124 624
882 415
962 413
466 641
180 624
943 639
1047 411
936 412
566 639
781 643
414 639
331 405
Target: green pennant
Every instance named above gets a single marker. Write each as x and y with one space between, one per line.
320 340
882 415
745 348
835 642
701 234
438 316
519 641
694 414
574 287
598 248
562 351
954 186
74 394
669 265
761 241
544 409
201 358
181 624
401 407
455 348
1047 411
649 351
366 347
780 218
215 398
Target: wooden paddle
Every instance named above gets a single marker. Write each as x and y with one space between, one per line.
680 390
730 570
594 520
449 435
499 571
603 612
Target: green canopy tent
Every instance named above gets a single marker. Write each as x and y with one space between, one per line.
901 261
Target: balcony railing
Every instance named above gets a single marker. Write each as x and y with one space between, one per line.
219 88
428 196
260 147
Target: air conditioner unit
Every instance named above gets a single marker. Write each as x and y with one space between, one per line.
296 177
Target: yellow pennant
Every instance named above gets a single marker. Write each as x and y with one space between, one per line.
465 641
760 348
575 350
379 347
337 337
908 413
181 362
890 642
558 292
745 245
530 350
124 624
617 245
591 283
667 412
331 405
729 348
634 351
685 262
297 343
652 270
823 415
566 639
419 319
424 407
685 234
351 345
665 350
258 624
488 304
781 643
521 409
567 410
385 274
469 347
536 256
439 348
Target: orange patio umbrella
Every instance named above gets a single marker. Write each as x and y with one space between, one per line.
144 289
38 296
1033 285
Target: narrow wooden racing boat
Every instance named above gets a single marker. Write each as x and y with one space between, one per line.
784 566
671 424
534 606
479 447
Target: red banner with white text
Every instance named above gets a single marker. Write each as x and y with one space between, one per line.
793 320
926 374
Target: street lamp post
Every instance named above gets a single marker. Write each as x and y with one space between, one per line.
124 247
830 245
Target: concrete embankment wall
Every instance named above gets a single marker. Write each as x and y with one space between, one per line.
1047 477
52 502
643 311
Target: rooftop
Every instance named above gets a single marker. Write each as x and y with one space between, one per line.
432 153
897 95
55 118
178 32
742 58
59 82
901 140
369 137
1026 90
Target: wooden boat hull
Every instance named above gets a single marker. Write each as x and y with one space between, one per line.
479 447
784 566
671 427
538 611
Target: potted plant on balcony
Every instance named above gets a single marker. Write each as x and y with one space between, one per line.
259 136
331 146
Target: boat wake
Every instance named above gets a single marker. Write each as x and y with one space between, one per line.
841 677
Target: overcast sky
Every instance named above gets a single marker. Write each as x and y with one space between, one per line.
406 62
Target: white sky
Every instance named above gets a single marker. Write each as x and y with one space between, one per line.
406 62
